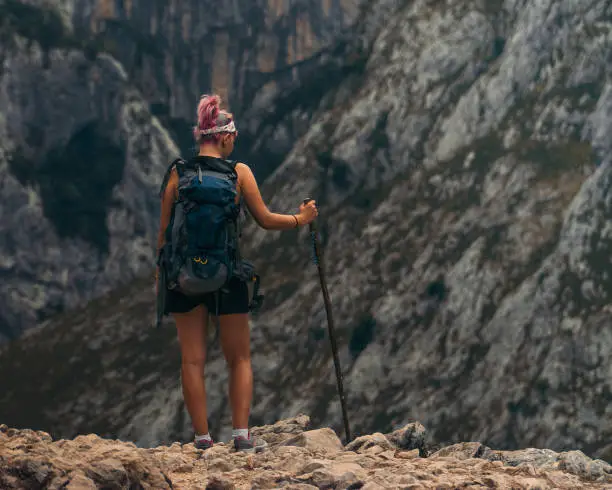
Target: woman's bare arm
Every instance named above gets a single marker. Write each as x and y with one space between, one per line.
168 198
264 217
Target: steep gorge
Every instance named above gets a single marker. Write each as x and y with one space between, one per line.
175 50
97 98
460 157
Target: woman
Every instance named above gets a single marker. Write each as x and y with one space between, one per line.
215 133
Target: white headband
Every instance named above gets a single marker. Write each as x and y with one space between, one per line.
228 128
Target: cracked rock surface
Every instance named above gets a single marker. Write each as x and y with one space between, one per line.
298 457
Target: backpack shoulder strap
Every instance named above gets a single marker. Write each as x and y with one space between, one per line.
179 165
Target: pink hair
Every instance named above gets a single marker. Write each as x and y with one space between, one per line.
208 117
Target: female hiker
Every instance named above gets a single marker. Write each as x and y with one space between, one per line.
215 133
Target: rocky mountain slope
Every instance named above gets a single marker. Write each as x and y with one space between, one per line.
172 49
459 152
95 96
299 457
175 50
80 160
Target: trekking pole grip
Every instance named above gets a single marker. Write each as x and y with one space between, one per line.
312 225
313 236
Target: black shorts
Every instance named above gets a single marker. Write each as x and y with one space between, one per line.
236 300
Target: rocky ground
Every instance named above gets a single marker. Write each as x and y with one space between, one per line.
299 457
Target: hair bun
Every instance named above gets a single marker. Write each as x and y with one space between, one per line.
213 99
208 111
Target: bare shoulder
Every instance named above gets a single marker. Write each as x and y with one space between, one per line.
242 168
244 172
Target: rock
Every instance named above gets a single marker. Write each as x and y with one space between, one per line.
290 458
217 451
108 472
532 456
86 462
368 442
316 440
37 471
313 465
264 481
462 451
372 486
78 481
298 486
408 454
350 457
220 465
374 450
388 454
574 462
577 463
336 475
283 430
89 462
218 483
44 436
411 436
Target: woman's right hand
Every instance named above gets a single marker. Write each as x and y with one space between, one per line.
308 213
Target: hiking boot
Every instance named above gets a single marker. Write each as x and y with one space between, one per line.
249 445
204 444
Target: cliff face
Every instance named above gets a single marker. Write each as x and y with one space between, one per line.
96 96
464 180
173 51
80 161
460 157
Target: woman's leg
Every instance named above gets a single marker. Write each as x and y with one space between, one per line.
191 328
234 336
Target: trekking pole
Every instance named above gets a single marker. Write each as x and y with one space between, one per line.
318 260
